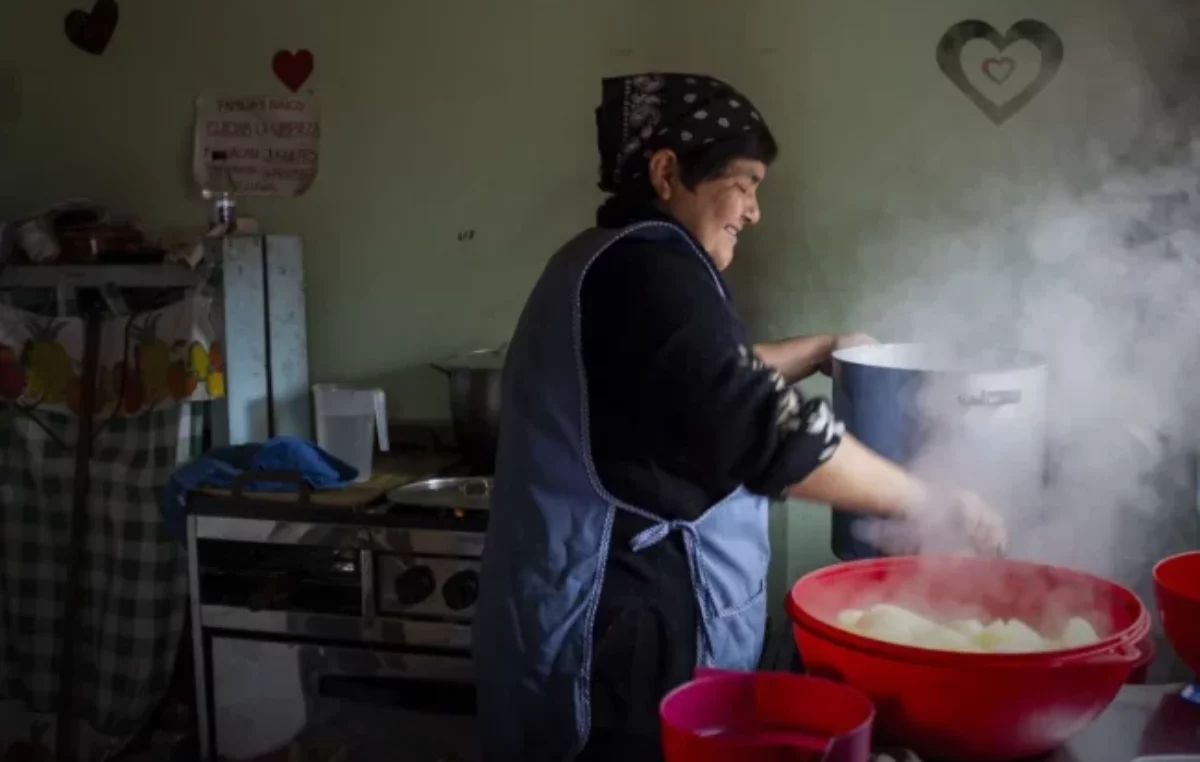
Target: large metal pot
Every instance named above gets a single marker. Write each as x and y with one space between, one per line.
973 420
475 404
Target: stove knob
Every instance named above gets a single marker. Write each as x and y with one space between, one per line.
414 585
461 590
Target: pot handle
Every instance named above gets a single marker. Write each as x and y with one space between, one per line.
991 398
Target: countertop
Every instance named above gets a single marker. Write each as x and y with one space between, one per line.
389 470
1143 721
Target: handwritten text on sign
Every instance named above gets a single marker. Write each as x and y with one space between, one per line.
256 146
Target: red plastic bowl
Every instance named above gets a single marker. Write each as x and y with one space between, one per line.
964 706
1177 589
725 716
1141 668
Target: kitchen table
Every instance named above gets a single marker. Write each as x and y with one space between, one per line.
1143 721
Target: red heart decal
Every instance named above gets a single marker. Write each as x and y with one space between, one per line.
293 69
999 69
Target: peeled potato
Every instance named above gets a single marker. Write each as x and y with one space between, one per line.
849 618
989 635
968 627
895 624
1078 632
1012 636
892 623
945 639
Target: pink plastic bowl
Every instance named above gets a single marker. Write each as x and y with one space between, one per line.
765 717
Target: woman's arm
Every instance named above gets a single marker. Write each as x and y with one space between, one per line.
855 477
798 358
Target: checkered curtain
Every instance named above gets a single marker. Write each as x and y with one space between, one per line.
134 575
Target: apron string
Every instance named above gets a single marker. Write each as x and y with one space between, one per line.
656 533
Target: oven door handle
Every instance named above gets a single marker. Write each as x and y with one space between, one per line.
417 682
422 683
337 661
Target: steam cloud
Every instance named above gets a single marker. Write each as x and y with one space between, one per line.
1105 284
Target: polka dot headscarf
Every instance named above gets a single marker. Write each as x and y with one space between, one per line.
642 113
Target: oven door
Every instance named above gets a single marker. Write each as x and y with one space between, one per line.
341 704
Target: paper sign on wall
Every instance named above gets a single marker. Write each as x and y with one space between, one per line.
265 146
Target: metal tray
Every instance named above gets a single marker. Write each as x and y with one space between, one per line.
470 493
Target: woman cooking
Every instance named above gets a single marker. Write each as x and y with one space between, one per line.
642 435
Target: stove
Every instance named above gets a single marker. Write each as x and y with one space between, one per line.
361 612
425 581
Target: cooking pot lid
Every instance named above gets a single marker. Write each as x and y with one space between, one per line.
479 359
470 493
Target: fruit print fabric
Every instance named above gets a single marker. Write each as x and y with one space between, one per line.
148 361
156 370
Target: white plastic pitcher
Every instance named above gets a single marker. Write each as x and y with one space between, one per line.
348 422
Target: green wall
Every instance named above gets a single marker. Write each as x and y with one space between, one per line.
444 116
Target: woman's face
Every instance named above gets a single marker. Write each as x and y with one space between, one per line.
718 210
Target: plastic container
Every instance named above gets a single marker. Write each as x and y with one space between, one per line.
1177 591
765 717
970 706
349 421
1141 668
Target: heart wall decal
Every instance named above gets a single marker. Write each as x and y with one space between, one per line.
91 31
293 69
999 68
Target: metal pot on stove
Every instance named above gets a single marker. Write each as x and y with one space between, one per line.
975 420
474 381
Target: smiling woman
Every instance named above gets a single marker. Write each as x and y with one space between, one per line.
641 438
690 147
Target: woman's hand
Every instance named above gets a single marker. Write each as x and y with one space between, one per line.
983 526
848 340
961 515
857 479
798 358
844 341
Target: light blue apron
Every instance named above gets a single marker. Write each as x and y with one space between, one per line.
551 524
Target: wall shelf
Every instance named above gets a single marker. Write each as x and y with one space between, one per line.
96 276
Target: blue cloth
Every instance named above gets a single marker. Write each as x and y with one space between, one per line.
551 525
221 466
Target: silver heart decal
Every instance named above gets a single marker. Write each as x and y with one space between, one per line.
949 60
